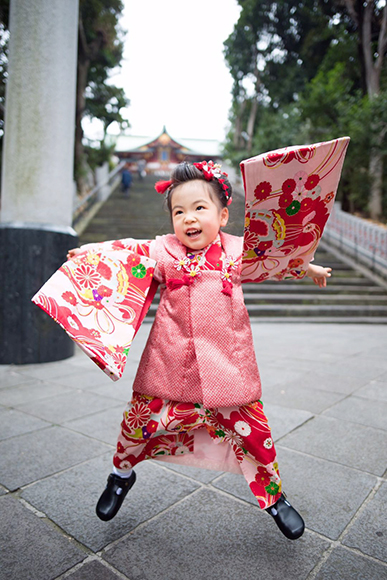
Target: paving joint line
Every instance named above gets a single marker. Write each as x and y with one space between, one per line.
51 475
92 558
53 525
331 461
139 526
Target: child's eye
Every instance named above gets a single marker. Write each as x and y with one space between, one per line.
200 207
178 212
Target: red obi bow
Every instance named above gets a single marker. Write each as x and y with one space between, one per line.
174 283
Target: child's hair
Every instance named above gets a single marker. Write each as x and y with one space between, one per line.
188 172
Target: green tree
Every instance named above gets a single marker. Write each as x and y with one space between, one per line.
348 94
100 49
322 74
272 53
369 19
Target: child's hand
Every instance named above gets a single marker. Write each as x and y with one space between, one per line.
319 274
73 253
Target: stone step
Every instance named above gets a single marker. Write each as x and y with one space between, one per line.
314 299
290 289
355 280
322 319
322 297
332 263
343 310
308 311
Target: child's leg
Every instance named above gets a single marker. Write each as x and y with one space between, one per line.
113 495
151 428
247 430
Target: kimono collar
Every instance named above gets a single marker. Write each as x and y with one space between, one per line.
204 250
232 245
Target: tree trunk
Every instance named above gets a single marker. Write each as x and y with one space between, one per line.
237 138
373 67
376 172
82 71
86 53
251 123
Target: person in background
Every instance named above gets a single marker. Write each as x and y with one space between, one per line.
126 181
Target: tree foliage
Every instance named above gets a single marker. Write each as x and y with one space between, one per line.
314 84
100 47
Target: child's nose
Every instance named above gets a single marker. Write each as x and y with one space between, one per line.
190 217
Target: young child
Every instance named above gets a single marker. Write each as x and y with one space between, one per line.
196 395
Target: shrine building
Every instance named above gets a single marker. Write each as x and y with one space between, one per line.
161 154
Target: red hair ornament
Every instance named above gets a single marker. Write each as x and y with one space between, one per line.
162 186
212 171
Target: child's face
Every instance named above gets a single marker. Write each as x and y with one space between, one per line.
196 218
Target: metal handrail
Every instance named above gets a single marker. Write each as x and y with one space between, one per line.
92 197
364 241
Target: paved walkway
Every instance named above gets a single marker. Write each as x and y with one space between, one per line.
325 388
325 393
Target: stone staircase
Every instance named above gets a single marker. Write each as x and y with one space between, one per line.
352 295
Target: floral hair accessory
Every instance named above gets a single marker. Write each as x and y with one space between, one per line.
212 171
162 186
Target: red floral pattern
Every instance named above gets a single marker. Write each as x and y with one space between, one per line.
154 427
289 196
99 302
137 416
87 276
288 186
263 190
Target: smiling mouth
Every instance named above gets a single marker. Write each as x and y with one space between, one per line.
193 233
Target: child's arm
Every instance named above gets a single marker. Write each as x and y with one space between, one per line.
319 274
141 247
73 253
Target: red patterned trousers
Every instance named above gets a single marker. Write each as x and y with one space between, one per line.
153 428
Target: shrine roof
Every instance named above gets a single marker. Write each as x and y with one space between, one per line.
126 143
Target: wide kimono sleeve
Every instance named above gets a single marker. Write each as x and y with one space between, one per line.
141 247
101 297
289 196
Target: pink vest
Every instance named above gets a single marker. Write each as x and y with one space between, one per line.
200 348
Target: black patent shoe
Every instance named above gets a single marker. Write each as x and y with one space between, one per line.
114 494
287 519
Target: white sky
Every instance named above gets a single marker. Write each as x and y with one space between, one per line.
173 70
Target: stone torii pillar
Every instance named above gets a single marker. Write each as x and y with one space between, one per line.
37 174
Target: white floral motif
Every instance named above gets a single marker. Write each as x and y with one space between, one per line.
232 438
300 179
181 449
268 443
230 263
242 428
182 263
201 260
193 270
226 275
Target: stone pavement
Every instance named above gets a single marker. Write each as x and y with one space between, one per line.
325 393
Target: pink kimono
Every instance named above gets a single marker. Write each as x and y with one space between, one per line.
200 348
197 388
